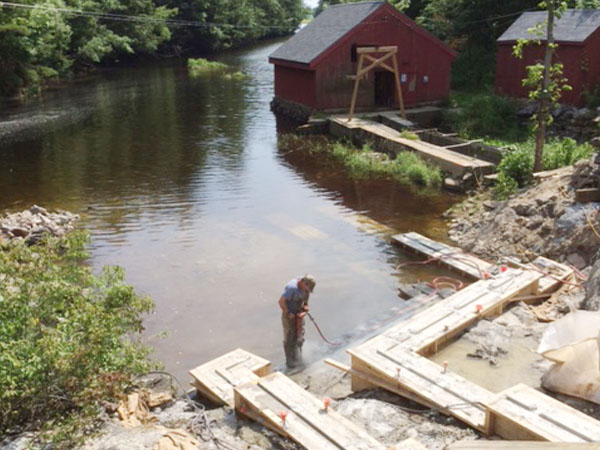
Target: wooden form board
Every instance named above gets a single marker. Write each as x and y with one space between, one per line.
217 378
426 331
455 163
557 274
520 445
474 267
523 413
307 422
394 368
451 257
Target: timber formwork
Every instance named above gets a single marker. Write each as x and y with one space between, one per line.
396 360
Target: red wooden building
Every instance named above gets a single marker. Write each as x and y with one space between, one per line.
314 68
577 34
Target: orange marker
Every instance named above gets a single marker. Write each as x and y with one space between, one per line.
326 402
503 268
283 415
445 366
478 308
243 409
486 276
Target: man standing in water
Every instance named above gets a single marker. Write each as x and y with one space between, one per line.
294 306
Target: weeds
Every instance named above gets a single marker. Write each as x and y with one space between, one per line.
201 66
518 164
405 167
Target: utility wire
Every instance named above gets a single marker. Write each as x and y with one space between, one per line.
133 18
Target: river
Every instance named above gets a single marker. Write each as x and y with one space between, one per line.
180 181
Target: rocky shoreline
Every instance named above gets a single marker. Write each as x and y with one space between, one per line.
35 223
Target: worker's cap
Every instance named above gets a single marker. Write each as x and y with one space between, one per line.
309 281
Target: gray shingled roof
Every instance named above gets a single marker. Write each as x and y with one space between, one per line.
327 28
575 25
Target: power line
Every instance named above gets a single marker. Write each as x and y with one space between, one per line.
133 18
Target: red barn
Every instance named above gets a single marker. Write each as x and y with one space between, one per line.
577 34
314 68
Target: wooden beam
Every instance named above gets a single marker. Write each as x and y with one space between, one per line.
384 65
399 89
587 195
355 91
375 63
386 48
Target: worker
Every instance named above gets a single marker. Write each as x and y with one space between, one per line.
294 307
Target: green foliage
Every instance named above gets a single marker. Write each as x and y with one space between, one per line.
476 115
518 165
591 95
505 186
406 167
516 168
65 336
42 43
406 134
233 22
564 152
201 66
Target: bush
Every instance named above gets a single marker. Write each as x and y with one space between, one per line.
200 66
505 186
591 96
518 165
414 168
484 115
565 152
64 336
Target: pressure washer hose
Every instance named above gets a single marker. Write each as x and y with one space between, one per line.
334 344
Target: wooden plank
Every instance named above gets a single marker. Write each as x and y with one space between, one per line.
451 257
520 445
448 392
216 378
522 412
307 422
329 423
375 49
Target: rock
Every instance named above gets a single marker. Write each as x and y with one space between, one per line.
35 209
525 209
528 111
596 143
452 185
491 205
576 260
591 302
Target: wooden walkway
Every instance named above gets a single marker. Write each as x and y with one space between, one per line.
453 162
520 445
216 379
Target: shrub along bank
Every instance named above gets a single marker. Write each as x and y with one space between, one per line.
65 338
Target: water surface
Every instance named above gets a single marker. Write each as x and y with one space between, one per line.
181 182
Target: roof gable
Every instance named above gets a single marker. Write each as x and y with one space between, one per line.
575 25
324 31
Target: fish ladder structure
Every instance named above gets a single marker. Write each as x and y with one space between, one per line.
396 360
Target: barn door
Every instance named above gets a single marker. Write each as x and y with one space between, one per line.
385 92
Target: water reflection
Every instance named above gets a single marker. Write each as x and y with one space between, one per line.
180 182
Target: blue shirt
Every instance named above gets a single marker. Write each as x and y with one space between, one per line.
295 298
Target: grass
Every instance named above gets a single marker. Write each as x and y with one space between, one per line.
364 162
201 66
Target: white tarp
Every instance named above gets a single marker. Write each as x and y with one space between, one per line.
573 343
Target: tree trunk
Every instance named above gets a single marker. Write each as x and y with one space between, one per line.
544 109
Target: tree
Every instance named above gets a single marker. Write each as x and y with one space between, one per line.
545 79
